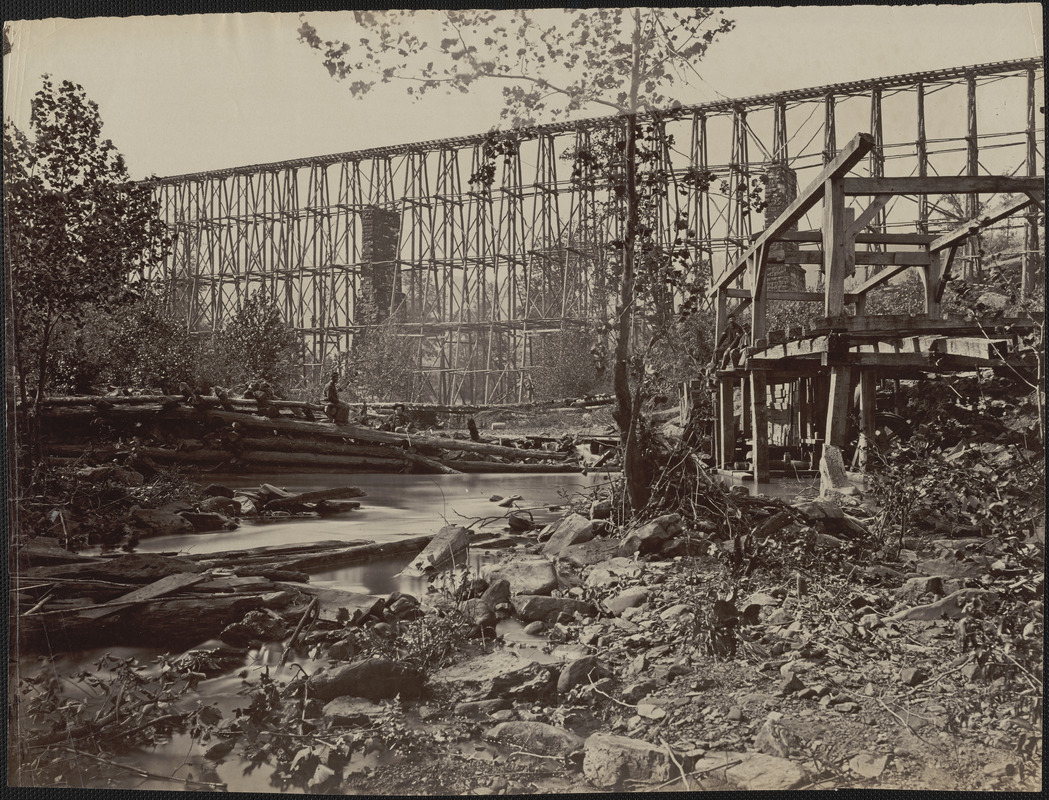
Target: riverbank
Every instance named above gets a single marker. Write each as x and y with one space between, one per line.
752 644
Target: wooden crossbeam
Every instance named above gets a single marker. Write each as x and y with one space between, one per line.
869 213
805 297
847 158
910 258
951 184
967 229
861 238
886 274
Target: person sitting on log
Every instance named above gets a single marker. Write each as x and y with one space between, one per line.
264 399
336 410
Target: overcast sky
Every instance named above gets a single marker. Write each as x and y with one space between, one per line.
193 93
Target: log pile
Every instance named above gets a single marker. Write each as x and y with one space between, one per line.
234 434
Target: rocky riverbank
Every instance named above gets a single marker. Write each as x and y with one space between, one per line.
754 644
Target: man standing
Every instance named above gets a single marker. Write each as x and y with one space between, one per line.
337 411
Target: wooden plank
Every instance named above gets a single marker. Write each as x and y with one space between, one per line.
967 229
166 585
866 257
800 347
726 421
975 347
868 381
850 155
811 297
833 248
919 239
951 184
877 280
867 216
839 399
759 425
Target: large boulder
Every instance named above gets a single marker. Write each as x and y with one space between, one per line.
375 679
613 571
531 607
567 531
582 671
448 548
628 598
220 505
353 711
525 574
651 536
608 760
502 674
760 772
159 522
209 522
535 737
595 551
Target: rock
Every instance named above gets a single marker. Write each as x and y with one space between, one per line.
641 689
949 568
629 598
613 571
650 711
356 711
762 772
608 760
993 300
480 613
526 574
912 676
208 522
588 553
497 593
832 473
952 607
157 522
914 588
375 679
650 537
535 628
111 472
535 737
573 529
504 673
775 739
520 522
247 505
218 490
582 671
790 684
220 505
867 764
530 608
401 606
478 708
256 627
676 611
832 518
735 714
601 509
343 650
448 548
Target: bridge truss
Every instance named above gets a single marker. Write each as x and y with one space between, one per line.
485 273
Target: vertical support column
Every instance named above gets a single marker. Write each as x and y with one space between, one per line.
779 133
701 199
868 382
830 145
838 398
745 424
1031 258
726 422
974 268
739 167
759 422
931 277
833 250
877 164
923 161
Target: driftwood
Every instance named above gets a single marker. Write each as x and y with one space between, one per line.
292 500
497 466
167 585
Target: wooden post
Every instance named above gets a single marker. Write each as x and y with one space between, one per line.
838 401
747 418
726 422
849 246
931 277
868 381
759 425
833 250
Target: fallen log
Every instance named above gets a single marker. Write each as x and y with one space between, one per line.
166 585
499 467
337 493
337 605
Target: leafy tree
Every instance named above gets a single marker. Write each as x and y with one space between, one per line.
625 60
257 344
78 230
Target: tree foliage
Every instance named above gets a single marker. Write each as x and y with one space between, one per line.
256 344
78 230
554 64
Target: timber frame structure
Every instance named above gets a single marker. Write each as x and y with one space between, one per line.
483 281
819 371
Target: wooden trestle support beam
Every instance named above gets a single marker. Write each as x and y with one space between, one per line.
843 357
490 271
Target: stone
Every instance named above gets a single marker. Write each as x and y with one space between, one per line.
256 627
761 772
217 490
650 711
247 505
589 553
792 683
343 650
356 711
609 760
208 522
641 689
158 522
651 536
504 673
447 549
497 593
914 588
535 628
775 739
525 574
479 613
951 607
111 472
735 714
601 509
676 611
613 571
629 598
530 608
375 679
832 473
569 530
535 737
949 568
482 708
867 764
520 522
912 676
583 671
220 505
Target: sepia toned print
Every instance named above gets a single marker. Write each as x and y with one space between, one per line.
444 402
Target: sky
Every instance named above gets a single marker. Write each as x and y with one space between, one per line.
194 93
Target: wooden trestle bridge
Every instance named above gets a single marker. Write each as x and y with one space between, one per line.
808 378
481 279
